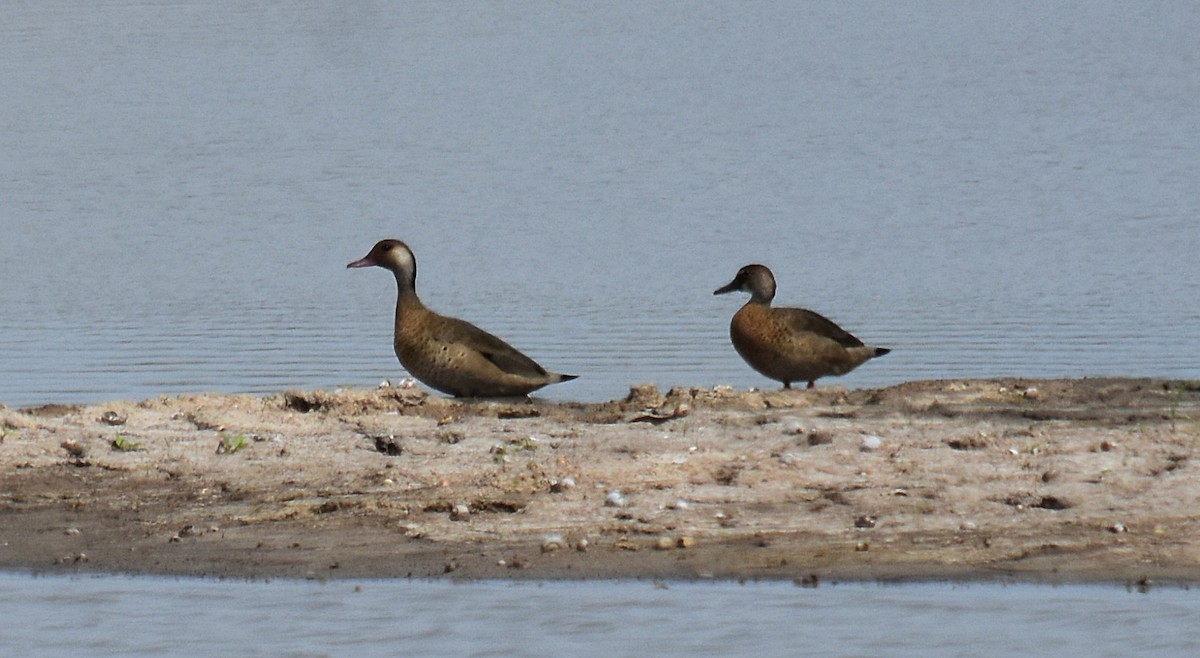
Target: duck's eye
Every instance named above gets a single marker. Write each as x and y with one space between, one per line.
387 247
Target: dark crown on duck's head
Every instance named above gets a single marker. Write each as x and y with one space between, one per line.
755 279
391 255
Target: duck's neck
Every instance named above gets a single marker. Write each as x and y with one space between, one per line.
406 297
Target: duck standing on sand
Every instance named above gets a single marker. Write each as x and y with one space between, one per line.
789 344
448 354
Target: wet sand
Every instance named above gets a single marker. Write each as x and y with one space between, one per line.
1033 480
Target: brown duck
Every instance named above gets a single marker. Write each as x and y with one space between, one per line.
448 354
789 344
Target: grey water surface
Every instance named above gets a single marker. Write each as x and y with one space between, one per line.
989 189
87 615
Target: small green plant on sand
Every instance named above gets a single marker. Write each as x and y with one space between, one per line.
502 453
122 443
499 454
1175 395
528 444
231 444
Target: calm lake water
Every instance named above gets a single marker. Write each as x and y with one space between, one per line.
989 189
64 616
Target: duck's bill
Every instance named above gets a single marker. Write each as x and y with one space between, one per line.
365 261
729 287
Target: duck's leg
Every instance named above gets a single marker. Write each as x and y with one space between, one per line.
787 385
812 383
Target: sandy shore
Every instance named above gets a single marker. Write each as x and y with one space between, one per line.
1042 480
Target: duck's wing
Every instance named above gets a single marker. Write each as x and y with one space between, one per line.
504 356
802 319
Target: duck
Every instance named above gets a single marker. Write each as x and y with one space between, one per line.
448 354
789 344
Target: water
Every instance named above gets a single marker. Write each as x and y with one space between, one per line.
71 616
991 189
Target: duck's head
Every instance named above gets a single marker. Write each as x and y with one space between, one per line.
391 255
754 279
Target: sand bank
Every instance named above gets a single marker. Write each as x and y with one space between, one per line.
1044 480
